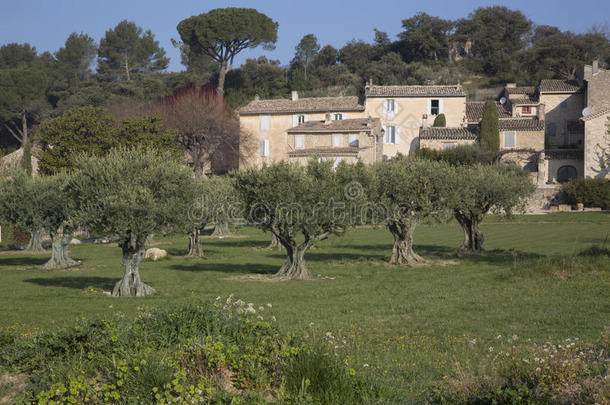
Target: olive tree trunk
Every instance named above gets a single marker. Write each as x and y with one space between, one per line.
473 237
221 229
131 285
194 244
35 243
295 268
275 242
60 241
402 252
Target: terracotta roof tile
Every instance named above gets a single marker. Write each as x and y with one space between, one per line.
522 124
597 114
448 133
529 90
348 125
415 91
474 111
302 105
523 101
559 86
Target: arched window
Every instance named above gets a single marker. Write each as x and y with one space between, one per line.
566 173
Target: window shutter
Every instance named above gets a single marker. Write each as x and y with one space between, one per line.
440 106
295 120
386 134
353 140
298 141
265 123
336 140
429 108
262 148
384 106
397 136
396 107
509 139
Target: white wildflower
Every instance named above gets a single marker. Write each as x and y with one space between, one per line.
273 318
261 308
269 305
499 337
491 348
473 342
260 318
365 365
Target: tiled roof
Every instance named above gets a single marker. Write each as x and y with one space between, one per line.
302 105
415 91
474 111
349 125
559 86
324 151
597 114
448 133
523 124
523 101
521 90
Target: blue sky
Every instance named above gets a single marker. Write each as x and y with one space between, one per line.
47 23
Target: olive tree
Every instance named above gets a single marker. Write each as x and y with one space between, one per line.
20 202
213 203
500 188
299 205
132 194
407 191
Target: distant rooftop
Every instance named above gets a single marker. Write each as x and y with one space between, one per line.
302 105
474 111
441 133
559 86
529 90
348 125
522 124
415 91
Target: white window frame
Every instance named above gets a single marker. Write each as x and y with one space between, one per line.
301 119
336 141
264 145
298 141
265 122
391 135
353 140
513 136
449 145
439 108
337 116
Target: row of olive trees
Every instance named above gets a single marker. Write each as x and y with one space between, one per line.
318 200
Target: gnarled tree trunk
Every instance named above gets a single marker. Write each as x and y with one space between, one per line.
473 237
194 244
60 241
402 252
131 285
294 268
35 243
221 229
275 242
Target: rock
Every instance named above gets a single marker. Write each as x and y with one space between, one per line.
75 241
553 208
580 206
565 207
156 254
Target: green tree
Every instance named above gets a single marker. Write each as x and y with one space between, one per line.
15 55
291 200
490 134
126 49
407 191
425 38
501 188
440 121
132 194
76 57
223 33
306 51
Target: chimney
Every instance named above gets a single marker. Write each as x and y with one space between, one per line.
256 97
327 119
595 67
295 95
370 83
424 120
541 112
511 85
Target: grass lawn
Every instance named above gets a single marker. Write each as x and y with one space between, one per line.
407 326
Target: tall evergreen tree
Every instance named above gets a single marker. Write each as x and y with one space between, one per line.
490 134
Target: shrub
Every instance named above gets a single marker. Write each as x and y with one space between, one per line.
490 134
590 192
569 372
461 155
440 121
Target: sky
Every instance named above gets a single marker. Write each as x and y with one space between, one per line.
47 23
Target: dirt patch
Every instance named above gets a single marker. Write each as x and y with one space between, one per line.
224 237
10 386
270 278
24 253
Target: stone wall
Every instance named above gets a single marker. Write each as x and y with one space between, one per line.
597 148
543 198
558 114
437 144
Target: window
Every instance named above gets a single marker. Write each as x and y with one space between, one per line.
448 145
509 139
264 147
298 141
298 119
551 129
265 119
338 117
353 140
389 106
302 119
564 103
391 135
526 110
336 140
566 173
435 107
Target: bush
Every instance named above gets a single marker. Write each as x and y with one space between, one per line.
590 192
198 353
569 372
462 155
440 121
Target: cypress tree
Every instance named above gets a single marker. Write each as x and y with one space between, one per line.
490 134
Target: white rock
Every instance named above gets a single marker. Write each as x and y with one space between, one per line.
75 241
156 254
